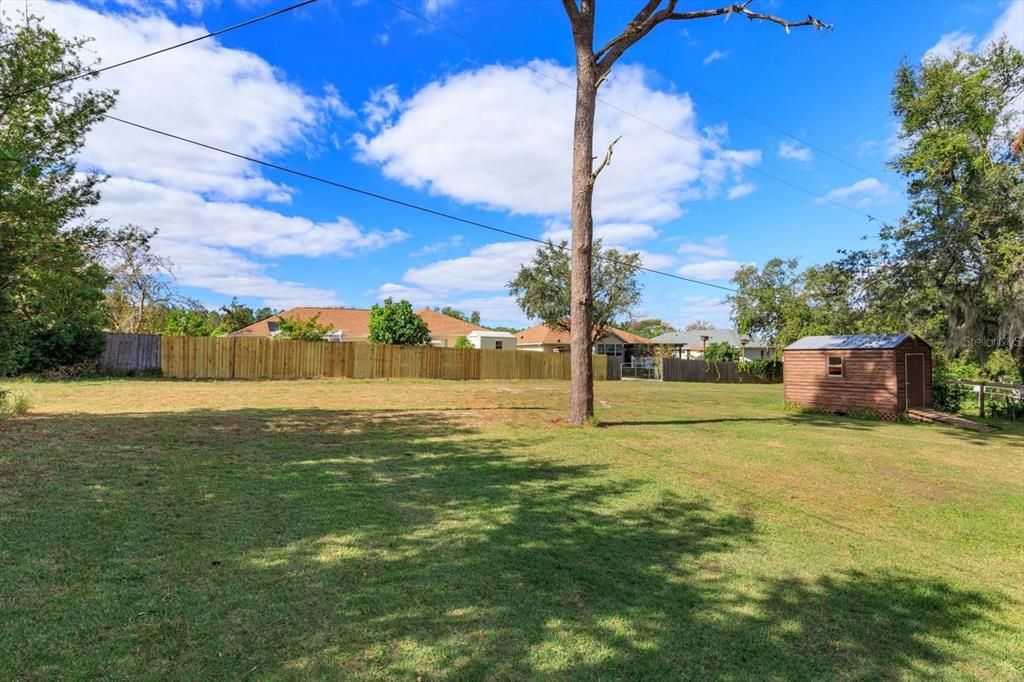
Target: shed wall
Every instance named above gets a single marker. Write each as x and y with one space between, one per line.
869 381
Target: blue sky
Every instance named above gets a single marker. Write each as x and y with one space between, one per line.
370 95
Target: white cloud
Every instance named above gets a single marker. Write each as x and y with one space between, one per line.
486 268
741 190
613 234
795 152
500 137
382 39
379 108
187 217
711 247
655 261
710 269
195 92
226 272
716 55
194 197
950 43
704 304
1010 25
864 192
438 246
433 8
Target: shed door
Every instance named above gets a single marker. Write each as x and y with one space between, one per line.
915 380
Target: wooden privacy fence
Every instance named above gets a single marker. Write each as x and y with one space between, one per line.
224 357
674 369
124 353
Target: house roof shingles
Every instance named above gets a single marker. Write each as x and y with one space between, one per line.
692 338
543 334
354 323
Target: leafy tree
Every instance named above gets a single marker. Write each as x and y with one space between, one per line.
648 328
398 324
235 315
510 330
721 351
309 329
51 286
472 318
542 288
593 66
191 322
953 268
699 324
462 342
781 303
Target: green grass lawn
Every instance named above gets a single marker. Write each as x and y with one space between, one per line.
418 529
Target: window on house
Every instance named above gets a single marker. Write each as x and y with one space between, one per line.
835 366
498 345
614 349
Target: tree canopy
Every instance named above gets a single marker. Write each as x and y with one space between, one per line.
648 327
397 323
51 284
542 287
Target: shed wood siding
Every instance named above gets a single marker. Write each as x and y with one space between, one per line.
868 381
873 378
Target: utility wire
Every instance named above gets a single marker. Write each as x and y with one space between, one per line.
212 34
388 199
739 110
625 112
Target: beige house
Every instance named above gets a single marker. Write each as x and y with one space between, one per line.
543 339
353 324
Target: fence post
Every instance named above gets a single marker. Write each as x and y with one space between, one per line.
981 399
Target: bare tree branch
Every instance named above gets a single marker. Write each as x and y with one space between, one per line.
607 160
647 19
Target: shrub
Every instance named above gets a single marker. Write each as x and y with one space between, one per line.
948 396
463 342
721 351
397 323
768 370
309 329
12 403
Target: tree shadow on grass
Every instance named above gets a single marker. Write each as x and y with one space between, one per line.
405 544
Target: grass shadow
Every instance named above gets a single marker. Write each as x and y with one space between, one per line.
398 544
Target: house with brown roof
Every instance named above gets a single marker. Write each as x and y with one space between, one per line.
353 324
615 342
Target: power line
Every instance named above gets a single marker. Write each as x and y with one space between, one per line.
754 117
212 34
388 199
625 112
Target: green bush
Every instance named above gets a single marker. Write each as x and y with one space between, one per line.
948 396
768 370
463 342
721 351
12 404
397 323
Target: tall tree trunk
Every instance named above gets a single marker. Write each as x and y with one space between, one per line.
581 387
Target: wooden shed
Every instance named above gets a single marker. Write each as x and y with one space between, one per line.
886 373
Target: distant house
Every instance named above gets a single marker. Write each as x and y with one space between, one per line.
488 339
616 342
689 345
885 373
353 324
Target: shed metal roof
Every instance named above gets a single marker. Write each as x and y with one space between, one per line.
850 342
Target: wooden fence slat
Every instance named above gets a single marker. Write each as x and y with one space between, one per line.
223 357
